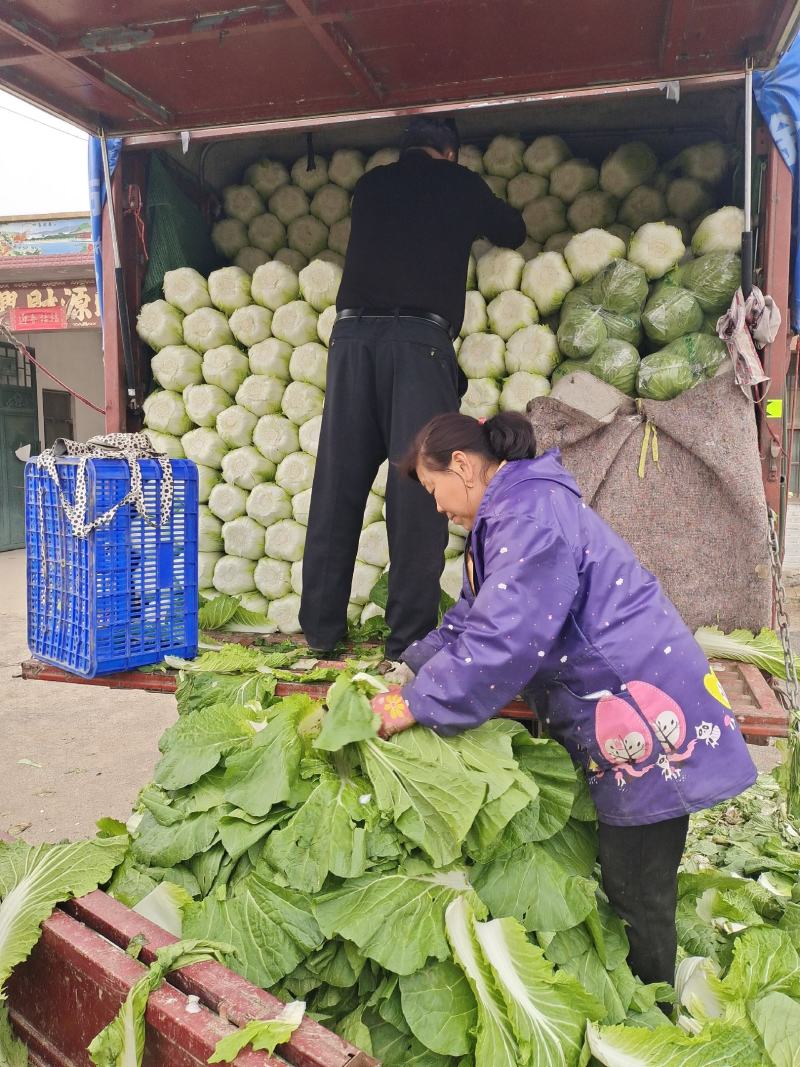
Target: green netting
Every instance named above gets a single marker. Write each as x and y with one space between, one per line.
178 235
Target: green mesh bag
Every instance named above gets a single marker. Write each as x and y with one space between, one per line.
177 231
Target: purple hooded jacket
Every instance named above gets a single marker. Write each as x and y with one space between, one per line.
564 612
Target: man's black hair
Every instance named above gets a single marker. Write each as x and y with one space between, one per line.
428 131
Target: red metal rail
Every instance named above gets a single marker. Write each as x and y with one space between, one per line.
755 705
75 980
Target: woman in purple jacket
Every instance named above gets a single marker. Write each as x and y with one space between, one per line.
556 605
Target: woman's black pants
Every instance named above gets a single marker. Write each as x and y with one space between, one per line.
640 876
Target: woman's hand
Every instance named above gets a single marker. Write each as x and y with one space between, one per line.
394 712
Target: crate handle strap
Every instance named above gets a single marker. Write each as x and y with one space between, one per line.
131 448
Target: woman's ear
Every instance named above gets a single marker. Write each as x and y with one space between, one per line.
462 463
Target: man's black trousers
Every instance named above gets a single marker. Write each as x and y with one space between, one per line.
387 377
639 865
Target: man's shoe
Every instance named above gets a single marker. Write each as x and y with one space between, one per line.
325 653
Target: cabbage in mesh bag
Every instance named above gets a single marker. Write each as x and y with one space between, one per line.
580 331
671 312
617 363
709 352
668 373
620 286
713 279
705 352
623 327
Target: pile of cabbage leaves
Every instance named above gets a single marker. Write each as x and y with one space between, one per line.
437 902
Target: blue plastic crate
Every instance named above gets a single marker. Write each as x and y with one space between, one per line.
126 595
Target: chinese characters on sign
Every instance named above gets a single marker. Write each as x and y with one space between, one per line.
49 307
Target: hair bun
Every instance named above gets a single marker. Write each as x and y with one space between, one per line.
510 436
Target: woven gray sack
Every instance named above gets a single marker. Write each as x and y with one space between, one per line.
697 517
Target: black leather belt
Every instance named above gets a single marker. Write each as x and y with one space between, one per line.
395 313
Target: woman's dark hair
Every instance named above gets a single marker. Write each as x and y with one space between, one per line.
428 131
506 436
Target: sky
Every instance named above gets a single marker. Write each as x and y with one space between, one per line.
44 167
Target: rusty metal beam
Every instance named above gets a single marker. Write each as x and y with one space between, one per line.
252 18
755 705
19 84
73 984
226 994
113 370
338 48
45 46
600 94
138 36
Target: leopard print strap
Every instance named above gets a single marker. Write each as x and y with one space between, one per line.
131 447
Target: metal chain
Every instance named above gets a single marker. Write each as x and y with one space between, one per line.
791 696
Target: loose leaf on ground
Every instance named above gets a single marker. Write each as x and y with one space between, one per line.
776 1017
764 961
719 1045
33 879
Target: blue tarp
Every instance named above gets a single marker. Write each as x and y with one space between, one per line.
777 94
97 198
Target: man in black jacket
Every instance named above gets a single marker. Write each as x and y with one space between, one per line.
391 368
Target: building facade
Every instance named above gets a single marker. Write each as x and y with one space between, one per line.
48 301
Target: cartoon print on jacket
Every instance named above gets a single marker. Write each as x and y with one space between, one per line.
622 737
625 740
714 687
